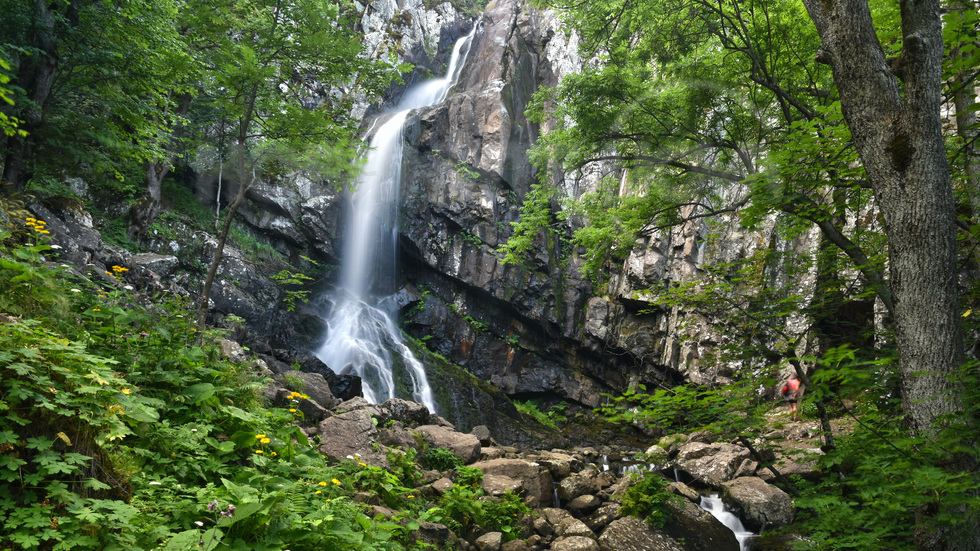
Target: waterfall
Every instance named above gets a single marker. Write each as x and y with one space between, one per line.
361 337
716 507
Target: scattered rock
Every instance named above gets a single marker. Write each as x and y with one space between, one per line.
698 529
711 464
534 480
490 541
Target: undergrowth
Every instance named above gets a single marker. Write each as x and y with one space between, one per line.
123 427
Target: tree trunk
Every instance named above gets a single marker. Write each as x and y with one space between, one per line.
243 126
147 208
897 130
900 143
35 74
145 211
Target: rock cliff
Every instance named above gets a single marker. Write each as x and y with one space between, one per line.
532 330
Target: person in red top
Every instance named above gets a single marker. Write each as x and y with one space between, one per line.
792 392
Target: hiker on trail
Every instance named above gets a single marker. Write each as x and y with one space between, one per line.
792 392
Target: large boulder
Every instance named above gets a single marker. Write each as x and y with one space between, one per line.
632 534
575 543
464 446
310 384
763 505
580 483
534 480
351 433
710 464
698 529
412 414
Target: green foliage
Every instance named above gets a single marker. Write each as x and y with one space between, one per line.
466 172
470 239
536 217
28 283
880 479
549 419
440 459
121 427
288 278
647 499
461 506
262 254
8 124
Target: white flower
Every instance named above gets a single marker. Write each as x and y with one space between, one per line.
155 483
76 290
128 287
55 246
199 523
193 430
350 457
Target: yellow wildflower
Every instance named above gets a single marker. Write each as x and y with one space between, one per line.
258 451
260 436
319 492
363 464
335 481
265 441
322 483
292 410
126 390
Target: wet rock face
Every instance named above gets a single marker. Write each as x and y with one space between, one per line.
465 172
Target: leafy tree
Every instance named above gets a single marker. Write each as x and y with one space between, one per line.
273 65
92 83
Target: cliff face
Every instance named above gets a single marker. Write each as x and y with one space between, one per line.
537 329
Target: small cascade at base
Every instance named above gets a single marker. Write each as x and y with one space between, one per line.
361 336
713 504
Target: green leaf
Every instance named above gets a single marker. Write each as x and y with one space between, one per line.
199 392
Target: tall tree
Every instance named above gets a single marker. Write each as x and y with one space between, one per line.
892 107
274 65
92 83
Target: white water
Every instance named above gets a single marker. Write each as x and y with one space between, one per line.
361 336
716 507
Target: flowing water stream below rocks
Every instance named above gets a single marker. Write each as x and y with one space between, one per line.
713 504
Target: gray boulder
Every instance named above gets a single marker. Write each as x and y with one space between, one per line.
534 480
632 534
575 543
464 446
490 541
698 529
580 483
711 464
411 414
351 434
763 505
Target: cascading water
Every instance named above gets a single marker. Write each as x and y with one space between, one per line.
714 505
361 337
